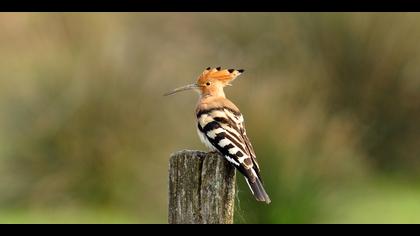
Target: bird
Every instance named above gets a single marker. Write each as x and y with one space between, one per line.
220 125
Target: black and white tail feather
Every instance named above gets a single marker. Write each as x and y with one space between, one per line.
223 129
258 190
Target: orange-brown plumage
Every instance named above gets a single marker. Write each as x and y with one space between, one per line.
209 102
212 81
220 125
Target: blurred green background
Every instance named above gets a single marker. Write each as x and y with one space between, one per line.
331 103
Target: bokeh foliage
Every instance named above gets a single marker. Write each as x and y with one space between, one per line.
331 103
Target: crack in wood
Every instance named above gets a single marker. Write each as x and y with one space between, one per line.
201 188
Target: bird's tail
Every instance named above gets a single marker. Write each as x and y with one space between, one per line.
258 190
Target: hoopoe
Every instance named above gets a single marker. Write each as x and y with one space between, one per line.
220 125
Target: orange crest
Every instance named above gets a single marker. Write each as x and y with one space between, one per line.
217 74
211 82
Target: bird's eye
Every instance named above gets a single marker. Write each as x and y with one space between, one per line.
208 83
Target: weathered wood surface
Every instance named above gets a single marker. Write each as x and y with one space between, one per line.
201 188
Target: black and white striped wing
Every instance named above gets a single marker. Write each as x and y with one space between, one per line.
222 129
238 119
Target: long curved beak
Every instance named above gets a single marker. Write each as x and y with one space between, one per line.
183 88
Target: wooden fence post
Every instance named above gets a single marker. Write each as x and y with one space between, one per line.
201 188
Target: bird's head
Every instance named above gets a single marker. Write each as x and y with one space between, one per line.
211 82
